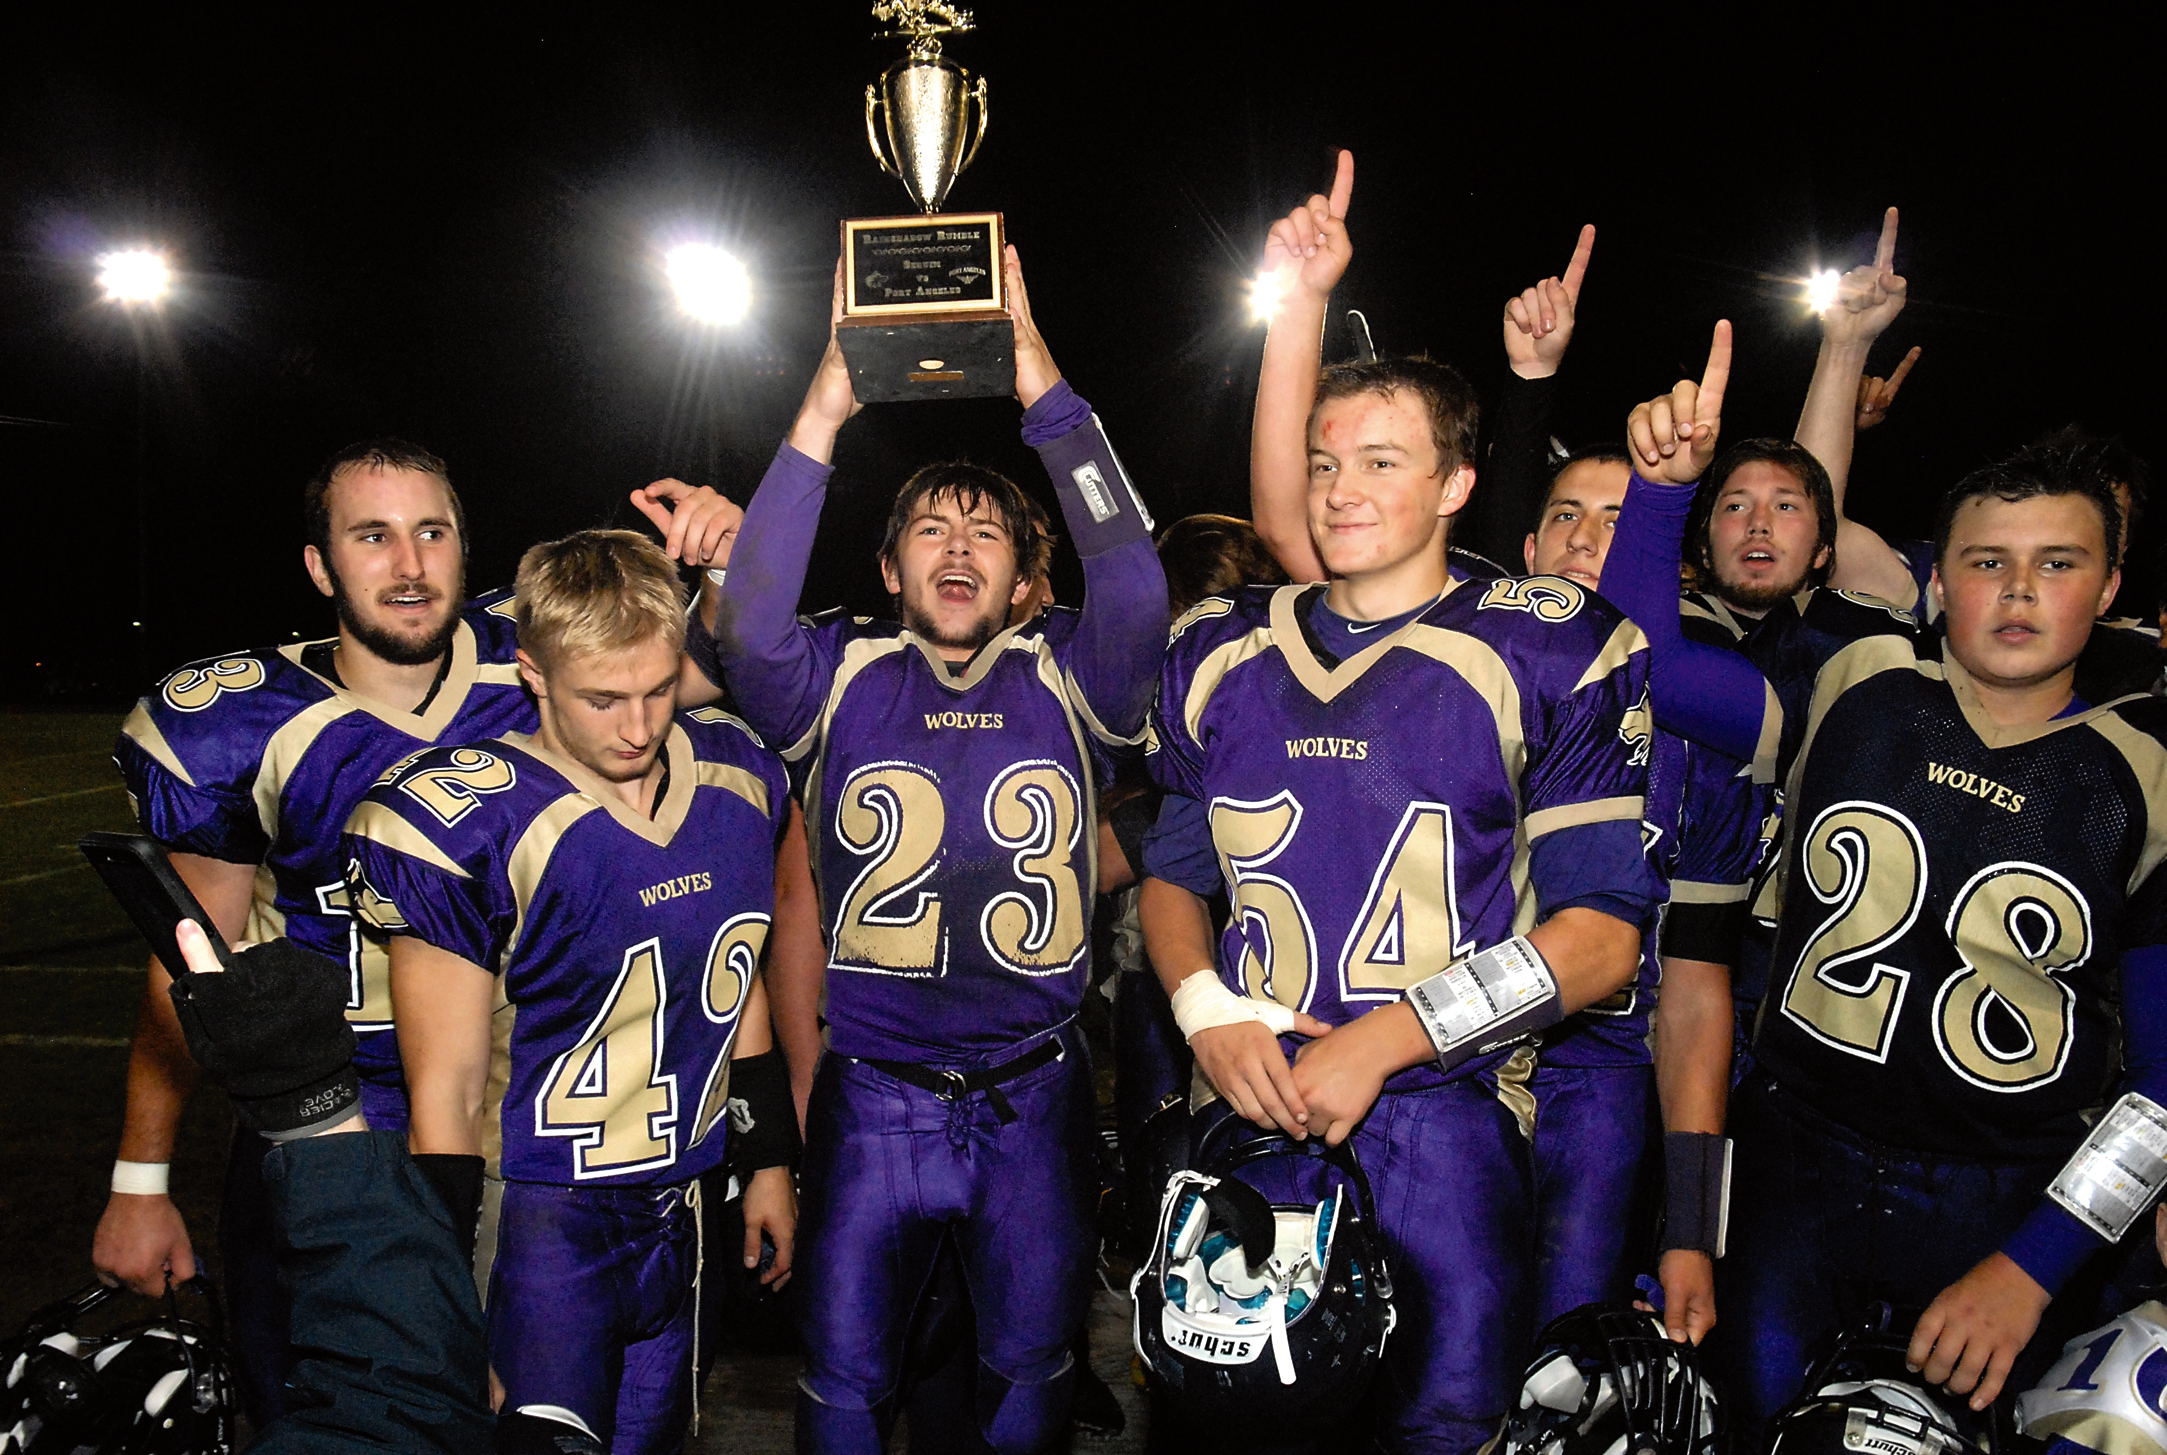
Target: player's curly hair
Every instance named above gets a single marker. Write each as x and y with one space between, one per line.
384 453
1787 454
2034 471
597 591
1451 405
971 486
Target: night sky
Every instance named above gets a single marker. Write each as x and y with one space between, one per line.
421 225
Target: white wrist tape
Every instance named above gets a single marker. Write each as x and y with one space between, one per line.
718 574
1202 1002
141 1179
1475 1005
2120 1168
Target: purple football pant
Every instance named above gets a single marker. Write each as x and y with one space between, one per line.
591 1308
1454 1195
1591 1146
888 1169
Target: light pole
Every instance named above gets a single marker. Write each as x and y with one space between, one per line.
713 290
137 280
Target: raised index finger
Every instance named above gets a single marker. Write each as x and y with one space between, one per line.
1717 376
1578 267
1885 250
1342 184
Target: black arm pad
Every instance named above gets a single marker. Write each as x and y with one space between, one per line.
272 1030
456 1179
1697 1197
763 1116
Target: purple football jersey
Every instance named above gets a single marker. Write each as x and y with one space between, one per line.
254 759
1374 820
956 844
1703 832
624 946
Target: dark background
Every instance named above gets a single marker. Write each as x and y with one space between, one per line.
447 227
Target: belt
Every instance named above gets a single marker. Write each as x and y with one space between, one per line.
947 1085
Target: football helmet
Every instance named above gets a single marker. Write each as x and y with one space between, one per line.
1860 1399
159 1386
1606 1380
1258 1313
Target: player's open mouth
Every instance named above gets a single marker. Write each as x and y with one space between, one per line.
409 600
957 586
1585 578
1758 557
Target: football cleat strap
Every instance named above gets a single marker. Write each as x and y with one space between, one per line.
1486 1001
2119 1170
1697 1196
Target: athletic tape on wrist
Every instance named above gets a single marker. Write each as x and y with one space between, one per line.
1201 1002
2120 1168
142 1179
1488 1000
717 574
1697 1192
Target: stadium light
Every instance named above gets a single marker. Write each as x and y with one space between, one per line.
711 285
1821 290
134 276
1264 297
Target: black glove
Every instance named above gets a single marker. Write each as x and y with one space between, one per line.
272 1030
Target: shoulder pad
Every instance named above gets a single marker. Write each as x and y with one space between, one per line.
1217 619
457 799
493 617
211 721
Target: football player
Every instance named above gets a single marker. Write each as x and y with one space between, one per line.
576 919
245 767
1664 1041
1423 796
949 764
1971 947
1595 1081
2123 653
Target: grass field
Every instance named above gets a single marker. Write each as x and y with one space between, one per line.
71 976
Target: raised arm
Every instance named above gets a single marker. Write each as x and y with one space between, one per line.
1868 298
1305 255
757 642
1515 466
1706 693
1120 635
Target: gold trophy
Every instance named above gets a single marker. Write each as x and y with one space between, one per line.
925 300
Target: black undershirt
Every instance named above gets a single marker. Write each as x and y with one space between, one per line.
322 658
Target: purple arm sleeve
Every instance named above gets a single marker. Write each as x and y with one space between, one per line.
759 644
1121 635
1709 694
2051 1245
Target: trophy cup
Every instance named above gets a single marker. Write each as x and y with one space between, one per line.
924 297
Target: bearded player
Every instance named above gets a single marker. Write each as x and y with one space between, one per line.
576 922
1423 796
245 767
1970 956
949 765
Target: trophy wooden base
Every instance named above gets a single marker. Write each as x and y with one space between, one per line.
962 355
924 308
